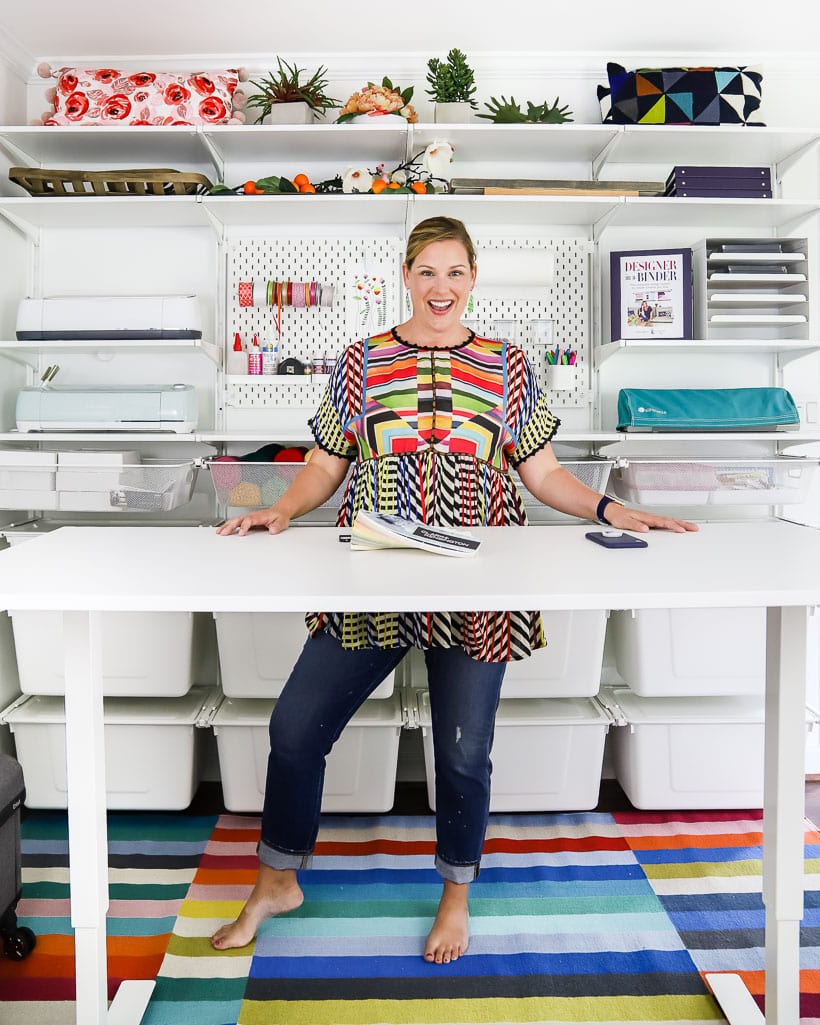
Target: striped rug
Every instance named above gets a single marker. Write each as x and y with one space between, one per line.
592 917
152 860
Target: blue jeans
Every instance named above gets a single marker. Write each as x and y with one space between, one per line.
325 688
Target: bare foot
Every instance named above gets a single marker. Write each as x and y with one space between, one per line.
450 934
276 892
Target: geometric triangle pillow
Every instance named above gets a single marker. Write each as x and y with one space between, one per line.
680 96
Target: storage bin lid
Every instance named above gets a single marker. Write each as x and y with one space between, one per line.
195 707
25 459
637 709
535 711
256 712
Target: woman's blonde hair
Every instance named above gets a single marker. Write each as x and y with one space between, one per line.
437 229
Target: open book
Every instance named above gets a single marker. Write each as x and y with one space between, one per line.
374 530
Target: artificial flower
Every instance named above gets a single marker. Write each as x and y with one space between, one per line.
376 100
437 159
357 179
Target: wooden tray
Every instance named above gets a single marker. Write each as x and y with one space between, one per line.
150 181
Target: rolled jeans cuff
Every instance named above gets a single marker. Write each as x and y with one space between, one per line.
281 860
456 873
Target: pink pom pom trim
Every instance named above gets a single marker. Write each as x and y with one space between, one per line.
44 70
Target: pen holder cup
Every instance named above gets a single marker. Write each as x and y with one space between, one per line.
560 377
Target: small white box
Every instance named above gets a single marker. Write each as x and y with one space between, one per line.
547 754
361 767
570 665
144 654
94 458
19 499
257 651
151 757
688 752
27 471
690 652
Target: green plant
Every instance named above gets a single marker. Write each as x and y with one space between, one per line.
451 82
508 112
285 86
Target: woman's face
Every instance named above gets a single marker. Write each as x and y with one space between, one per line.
439 283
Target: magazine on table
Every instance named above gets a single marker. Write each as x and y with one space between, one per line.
374 530
651 293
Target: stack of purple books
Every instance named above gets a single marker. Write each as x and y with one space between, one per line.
725 182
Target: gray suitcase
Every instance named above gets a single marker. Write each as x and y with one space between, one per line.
18 940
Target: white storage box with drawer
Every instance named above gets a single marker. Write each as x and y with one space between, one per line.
688 752
547 753
257 651
151 749
144 654
27 471
361 768
690 652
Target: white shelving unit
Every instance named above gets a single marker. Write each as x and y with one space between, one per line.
234 153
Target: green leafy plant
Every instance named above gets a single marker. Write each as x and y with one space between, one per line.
285 86
508 112
451 81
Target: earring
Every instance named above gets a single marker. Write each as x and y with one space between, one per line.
407 303
470 303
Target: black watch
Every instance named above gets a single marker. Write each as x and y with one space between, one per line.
601 509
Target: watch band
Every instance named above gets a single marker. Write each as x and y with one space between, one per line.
601 509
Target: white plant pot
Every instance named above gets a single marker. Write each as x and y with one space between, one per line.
376 119
453 113
299 113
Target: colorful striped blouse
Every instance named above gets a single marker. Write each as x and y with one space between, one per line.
432 434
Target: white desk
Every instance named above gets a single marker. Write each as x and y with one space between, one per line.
85 570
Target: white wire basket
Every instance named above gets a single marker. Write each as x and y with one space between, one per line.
147 487
780 481
250 485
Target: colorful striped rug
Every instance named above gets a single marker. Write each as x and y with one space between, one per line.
592 917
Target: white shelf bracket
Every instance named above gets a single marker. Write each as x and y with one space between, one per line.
600 160
215 156
29 231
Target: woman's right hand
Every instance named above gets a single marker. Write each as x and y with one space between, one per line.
273 519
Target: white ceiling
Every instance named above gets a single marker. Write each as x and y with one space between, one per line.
31 30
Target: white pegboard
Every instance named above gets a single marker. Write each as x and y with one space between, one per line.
566 304
351 264
361 304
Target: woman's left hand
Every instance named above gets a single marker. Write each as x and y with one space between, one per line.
624 518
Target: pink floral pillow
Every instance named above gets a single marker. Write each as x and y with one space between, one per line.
106 96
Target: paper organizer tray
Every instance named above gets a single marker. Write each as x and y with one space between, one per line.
246 484
717 482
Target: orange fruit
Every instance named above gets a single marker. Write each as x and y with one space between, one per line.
249 188
419 187
307 188
379 185
393 185
300 180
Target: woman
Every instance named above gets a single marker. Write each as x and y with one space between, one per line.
432 417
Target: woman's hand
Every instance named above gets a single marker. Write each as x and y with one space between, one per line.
272 519
624 518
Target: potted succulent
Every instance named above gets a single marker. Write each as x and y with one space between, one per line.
508 112
374 103
283 98
452 85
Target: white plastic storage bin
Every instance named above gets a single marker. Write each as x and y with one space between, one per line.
688 752
144 654
151 749
245 484
361 768
778 481
570 665
257 651
690 652
547 753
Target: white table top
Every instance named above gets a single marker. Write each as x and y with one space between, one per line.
194 569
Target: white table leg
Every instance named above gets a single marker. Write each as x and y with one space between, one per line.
87 835
784 804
